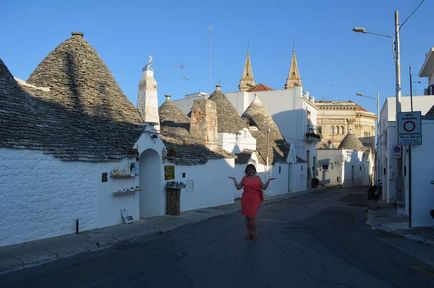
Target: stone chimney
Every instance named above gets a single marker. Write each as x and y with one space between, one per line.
203 123
147 98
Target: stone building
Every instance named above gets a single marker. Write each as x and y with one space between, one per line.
72 148
349 165
291 110
338 118
74 152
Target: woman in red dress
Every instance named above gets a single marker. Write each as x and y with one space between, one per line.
251 198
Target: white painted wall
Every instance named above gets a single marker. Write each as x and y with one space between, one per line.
207 185
298 177
423 177
345 167
235 143
332 176
388 139
42 197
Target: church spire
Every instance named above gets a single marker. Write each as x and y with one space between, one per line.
247 81
294 75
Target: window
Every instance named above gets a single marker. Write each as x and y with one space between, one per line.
337 129
332 130
342 130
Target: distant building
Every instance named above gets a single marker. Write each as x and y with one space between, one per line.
351 164
337 118
291 109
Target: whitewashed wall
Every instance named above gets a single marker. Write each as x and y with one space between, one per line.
280 184
42 197
298 177
334 174
207 185
236 143
423 177
356 169
341 163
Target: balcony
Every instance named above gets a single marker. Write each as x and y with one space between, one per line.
312 134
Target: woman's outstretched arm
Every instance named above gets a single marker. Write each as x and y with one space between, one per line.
264 186
237 185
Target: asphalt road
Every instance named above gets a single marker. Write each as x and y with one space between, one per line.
315 240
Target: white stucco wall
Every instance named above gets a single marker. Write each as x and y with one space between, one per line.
235 143
345 167
334 175
42 197
388 138
423 177
207 185
298 177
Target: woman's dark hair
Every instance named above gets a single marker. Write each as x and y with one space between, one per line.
250 166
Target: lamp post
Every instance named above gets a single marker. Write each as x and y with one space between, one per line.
377 162
396 47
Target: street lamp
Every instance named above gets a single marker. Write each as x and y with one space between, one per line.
397 57
396 48
376 131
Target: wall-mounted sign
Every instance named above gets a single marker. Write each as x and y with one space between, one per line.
169 172
409 128
396 151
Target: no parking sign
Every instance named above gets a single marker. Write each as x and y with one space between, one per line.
409 128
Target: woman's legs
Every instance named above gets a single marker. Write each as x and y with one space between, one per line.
251 228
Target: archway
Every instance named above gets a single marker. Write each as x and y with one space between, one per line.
151 194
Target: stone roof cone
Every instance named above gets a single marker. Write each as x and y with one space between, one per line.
172 116
30 120
269 141
294 78
351 142
80 81
247 81
227 117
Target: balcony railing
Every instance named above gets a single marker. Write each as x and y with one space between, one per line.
313 134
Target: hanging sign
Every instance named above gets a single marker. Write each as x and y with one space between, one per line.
409 128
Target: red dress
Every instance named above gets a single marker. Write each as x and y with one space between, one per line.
252 196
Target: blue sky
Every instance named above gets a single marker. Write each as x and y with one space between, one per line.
334 62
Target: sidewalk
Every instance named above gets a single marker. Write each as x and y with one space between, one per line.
15 257
388 220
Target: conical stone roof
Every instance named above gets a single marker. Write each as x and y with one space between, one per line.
182 147
80 81
257 115
351 142
29 120
227 117
170 115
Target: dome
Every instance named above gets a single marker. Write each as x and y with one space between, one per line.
351 142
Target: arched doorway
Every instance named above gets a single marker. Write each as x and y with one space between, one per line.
151 194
